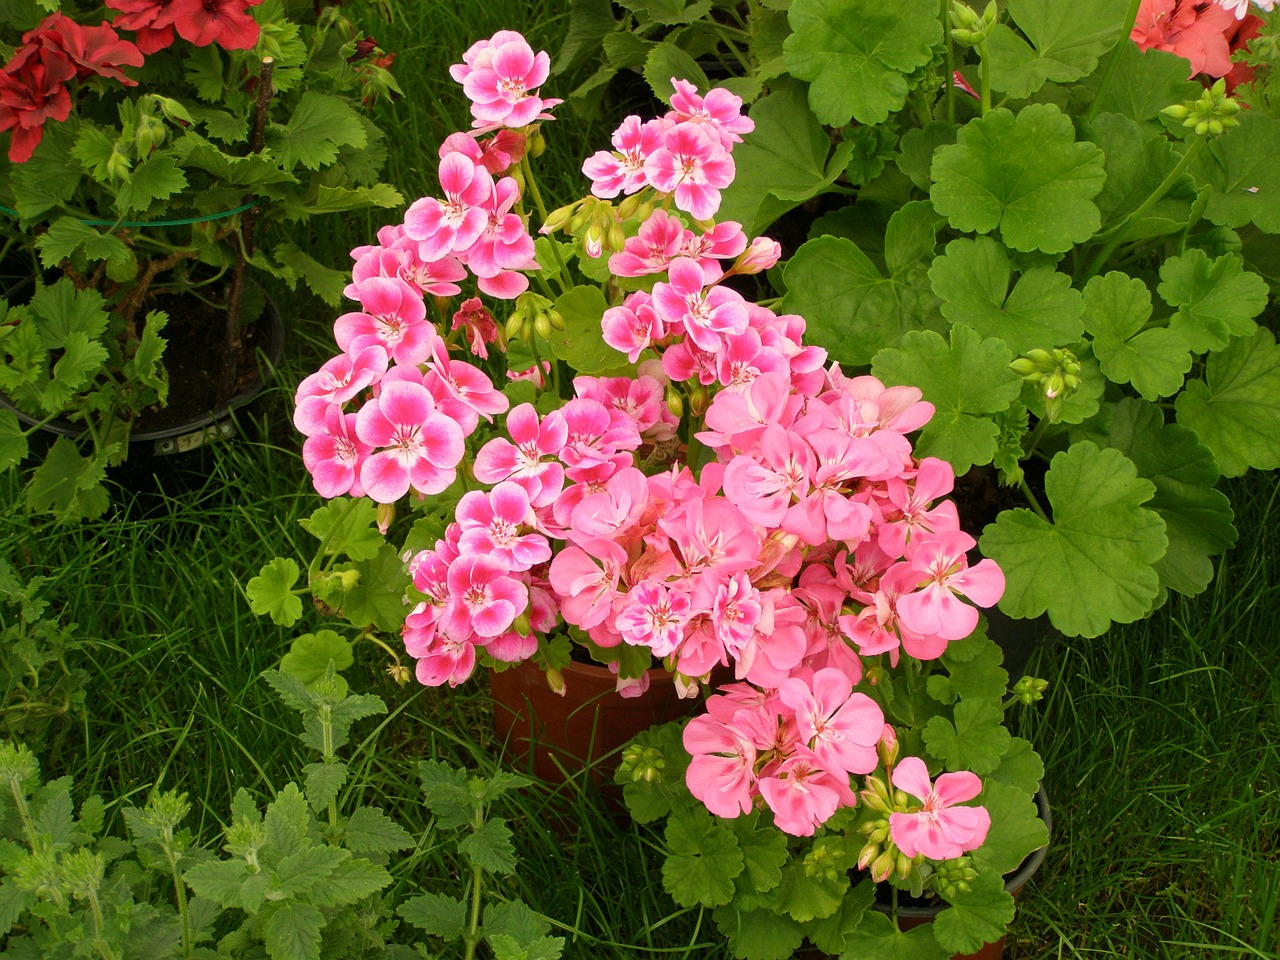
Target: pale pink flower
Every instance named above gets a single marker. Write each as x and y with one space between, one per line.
693 165
392 317
841 727
943 571
704 312
654 617
451 226
622 171
339 380
586 581
721 769
502 83
483 599
803 794
529 457
334 454
633 326
651 250
446 660
418 447
495 524
940 830
720 111
911 499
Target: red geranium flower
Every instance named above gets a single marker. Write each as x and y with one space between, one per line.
151 20
95 51
1193 29
33 89
224 22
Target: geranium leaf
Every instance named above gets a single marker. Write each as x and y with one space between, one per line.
973 671
853 309
1138 159
1067 38
1017 830
965 380
271 592
1020 766
445 793
972 278
1025 175
1197 517
703 861
764 852
514 919
857 54
310 654
1235 410
320 124
13 441
1093 563
581 343
1245 178
666 60
80 362
670 12
344 527
1143 83
829 933
156 178
508 948
877 937
61 310
975 741
1216 300
1155 361
980 915
758 934
787 159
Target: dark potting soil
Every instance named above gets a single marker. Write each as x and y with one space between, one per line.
196 359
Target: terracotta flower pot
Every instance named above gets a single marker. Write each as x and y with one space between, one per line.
557 737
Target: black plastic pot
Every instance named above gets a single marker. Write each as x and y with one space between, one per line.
194 432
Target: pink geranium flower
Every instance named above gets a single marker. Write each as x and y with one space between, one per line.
654 617
1193 29
693 165
721 769
704 312
803 794
529 457
622 171
452 225
483 599
495 524
940 830
940 563
841 727
393 317
418 447
720 111
502 82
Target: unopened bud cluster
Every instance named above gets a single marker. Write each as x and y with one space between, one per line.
641 764
533 314
1029 690
1212 114
1056 373
951 878
967 28
879 856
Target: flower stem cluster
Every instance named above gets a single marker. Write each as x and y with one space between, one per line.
1210 114
1055 373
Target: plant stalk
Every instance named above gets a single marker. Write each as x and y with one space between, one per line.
1130 17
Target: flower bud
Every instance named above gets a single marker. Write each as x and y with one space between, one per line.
542 325
699 398
1028 690
536 142
593 242
882 866
760 256
627 206
350 579
641 764
399 673
556 319
559 218
522 624
675 403
386 513
555 680
887 747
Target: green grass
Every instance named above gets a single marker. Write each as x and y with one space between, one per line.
1160 739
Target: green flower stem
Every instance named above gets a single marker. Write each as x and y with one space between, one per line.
1156 196
720 31
985 59
531 182
180 891
477 878
948 62
1031 499
328 752
1110 68
24 813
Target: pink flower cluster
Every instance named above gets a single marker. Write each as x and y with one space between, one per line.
684 153
790 537
1205 33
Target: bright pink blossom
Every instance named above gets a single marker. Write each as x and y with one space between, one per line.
720 111
483 599
693 165
501 81
841 727
939 561
803 794
418 447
